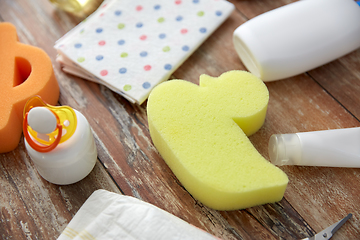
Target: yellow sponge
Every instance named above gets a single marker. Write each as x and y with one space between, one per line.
201 132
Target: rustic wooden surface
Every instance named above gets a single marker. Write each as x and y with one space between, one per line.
128 163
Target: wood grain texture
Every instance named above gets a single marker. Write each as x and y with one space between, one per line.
128 163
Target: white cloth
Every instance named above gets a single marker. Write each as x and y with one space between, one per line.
109 216
132 45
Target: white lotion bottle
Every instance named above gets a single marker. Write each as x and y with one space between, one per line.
298 37
59 141
327 148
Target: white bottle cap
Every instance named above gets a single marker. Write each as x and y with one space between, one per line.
285 149
298 37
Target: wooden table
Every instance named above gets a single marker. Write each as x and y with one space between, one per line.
128 163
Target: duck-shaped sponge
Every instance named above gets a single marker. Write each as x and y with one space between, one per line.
201 132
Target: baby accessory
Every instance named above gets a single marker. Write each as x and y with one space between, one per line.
131 46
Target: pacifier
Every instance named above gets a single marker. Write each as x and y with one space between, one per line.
45 126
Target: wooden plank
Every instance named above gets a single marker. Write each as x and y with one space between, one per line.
31 207
316 193
315 198
341 79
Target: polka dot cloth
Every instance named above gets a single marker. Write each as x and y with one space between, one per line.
131 46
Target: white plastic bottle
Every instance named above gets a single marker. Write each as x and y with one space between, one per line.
60 160
298 37
328 148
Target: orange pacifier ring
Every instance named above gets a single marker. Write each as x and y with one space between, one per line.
36 146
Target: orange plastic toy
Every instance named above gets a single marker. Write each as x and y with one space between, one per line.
25 71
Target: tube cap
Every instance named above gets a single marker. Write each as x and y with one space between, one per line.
285 149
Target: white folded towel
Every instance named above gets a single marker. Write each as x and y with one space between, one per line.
132 45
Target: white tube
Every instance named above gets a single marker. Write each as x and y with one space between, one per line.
298 37
328 148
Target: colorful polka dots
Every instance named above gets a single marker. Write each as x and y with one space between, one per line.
146 85
185 48
135 45
143 54
200 13
104 73
202 30
127 87
167 67
161 20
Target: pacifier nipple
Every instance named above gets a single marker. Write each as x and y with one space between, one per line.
46 126
42 120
